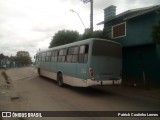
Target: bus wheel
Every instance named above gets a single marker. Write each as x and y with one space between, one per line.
60 79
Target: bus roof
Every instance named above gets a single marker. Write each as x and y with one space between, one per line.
86 41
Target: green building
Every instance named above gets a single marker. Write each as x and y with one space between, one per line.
133 29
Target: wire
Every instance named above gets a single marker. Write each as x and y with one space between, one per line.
37 10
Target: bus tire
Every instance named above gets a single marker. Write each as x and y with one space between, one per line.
60 80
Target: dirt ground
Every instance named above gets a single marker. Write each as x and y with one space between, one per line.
28 92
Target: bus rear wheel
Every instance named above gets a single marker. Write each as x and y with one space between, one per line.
60 80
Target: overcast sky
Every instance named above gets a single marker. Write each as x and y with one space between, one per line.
30 24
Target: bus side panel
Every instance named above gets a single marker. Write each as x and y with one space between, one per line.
47 66
67 69
82 71
53 67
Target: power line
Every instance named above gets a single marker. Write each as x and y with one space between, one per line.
37 10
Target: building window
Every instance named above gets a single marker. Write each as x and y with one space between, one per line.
119 30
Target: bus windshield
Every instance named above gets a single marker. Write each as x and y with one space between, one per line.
105 48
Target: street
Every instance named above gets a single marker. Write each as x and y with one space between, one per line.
43 94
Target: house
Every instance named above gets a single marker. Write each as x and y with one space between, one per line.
6 62
141 56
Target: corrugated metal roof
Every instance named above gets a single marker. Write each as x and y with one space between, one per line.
133 13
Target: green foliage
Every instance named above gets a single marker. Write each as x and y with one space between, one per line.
23 57
2 56
95 34
64 37
156 33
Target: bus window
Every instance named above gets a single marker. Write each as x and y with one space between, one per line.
73 54
56 53
62 53
83 54
85 58
82 48
106 49
54 56
74 58
70 51
69 58
46 59
49 53
75 51
65 51
43 59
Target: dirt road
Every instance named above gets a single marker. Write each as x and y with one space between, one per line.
43 94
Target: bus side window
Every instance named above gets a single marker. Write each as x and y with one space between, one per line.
69 55
43 57
74 58
69 58
83 53
75 54
54 56
62 55
72 55
48 56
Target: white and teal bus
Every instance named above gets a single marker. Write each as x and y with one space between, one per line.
84 63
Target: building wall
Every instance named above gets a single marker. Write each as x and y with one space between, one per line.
138 30
139 60
108 26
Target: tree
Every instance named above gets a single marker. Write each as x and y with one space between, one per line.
156 33
23 57
2 56
64 37
95 34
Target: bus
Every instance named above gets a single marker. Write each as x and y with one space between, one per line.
85 63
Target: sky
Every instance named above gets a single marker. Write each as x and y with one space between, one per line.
29 25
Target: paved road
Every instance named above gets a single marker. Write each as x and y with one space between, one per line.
43 94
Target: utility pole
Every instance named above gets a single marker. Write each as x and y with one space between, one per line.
91 15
